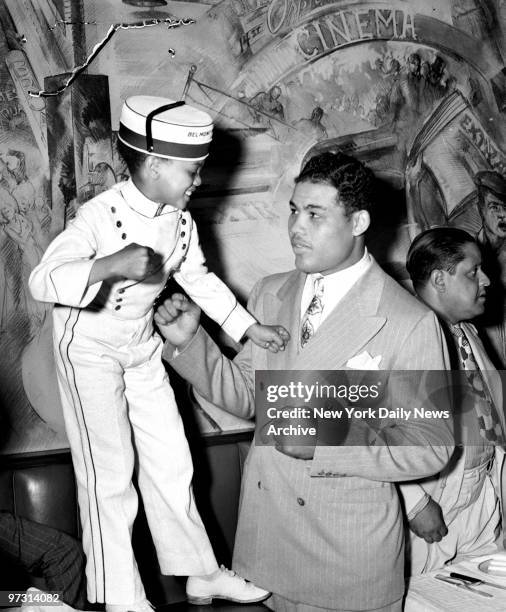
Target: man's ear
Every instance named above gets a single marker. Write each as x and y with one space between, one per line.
437 280
361 221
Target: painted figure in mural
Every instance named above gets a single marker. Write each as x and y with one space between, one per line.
436 81
492 206
491 188
270 104
32 206
103 273
412 84
96 155
313 126
22 190
321 526
457 514
404 93
21 232
10 262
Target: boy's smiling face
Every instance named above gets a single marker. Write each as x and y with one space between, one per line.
176 181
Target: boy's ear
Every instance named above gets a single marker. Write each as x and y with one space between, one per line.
152 165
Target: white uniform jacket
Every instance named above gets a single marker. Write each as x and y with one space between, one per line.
108 223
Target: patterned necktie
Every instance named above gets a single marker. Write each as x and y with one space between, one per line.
488 420
312 316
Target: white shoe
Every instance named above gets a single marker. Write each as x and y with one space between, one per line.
226 585
141 606
36 600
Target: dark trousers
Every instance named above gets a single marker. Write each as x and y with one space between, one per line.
47 552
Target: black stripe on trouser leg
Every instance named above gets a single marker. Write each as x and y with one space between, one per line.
70 375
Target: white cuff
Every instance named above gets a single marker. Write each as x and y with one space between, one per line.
70 283
238 322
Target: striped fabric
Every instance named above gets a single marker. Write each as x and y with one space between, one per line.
43 551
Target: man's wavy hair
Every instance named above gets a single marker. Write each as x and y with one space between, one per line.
355 183
438 248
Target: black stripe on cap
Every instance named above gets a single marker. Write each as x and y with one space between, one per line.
161 147
152 115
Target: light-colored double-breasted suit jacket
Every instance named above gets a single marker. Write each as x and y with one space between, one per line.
327 532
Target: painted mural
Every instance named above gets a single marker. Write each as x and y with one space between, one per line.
26 223
414 88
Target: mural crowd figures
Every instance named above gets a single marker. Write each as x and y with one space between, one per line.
414 88
402 90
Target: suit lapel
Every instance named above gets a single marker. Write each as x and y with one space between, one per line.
489 373
285 304
350 326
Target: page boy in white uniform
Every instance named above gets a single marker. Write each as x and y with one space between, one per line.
103 273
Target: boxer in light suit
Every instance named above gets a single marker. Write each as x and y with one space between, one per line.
458 513
321 527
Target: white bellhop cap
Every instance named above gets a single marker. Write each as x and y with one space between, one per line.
165 128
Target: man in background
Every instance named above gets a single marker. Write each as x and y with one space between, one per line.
457 513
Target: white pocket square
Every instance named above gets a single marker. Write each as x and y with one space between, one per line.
364 361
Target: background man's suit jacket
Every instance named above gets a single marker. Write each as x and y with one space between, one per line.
327 532
445 487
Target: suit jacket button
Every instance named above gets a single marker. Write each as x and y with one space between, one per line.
300 501
121 291
118 224
183 221
184 246
183 234
117 307
113 209
123 236
259 484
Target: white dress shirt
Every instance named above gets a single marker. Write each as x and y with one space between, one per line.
335 286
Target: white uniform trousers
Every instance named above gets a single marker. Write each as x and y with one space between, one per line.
472 526
119 407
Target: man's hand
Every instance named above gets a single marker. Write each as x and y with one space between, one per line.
297 452
178 320
286 439
272 337
429 523
133 262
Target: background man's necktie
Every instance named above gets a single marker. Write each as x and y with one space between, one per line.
312 316
490 426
